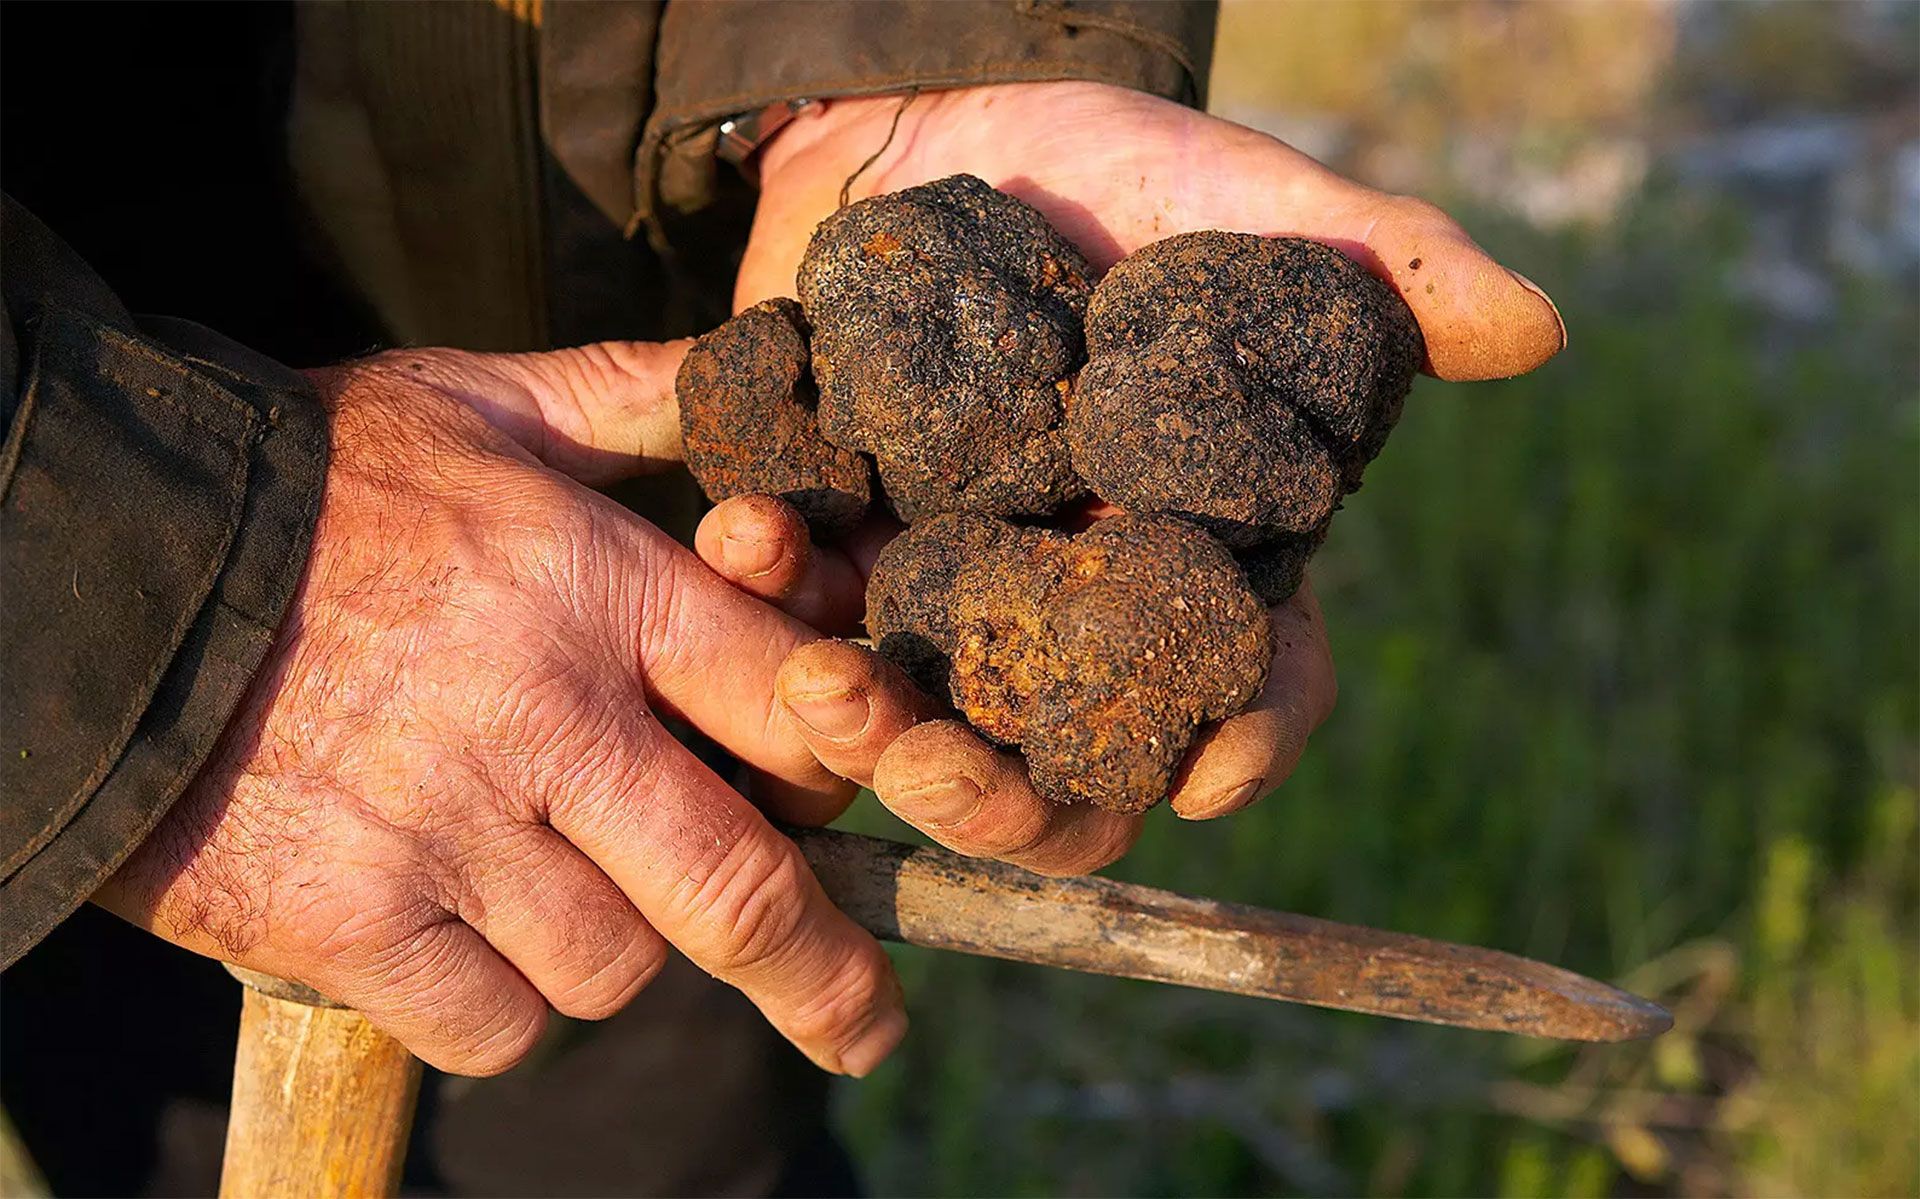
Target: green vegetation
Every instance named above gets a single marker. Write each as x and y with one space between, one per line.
1628 663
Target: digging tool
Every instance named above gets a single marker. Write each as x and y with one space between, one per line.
322 1100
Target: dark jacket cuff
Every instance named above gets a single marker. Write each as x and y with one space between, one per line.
716 60
158 491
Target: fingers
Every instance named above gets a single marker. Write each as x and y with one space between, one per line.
849 704
599 413
736 897
1480 320
440 989
561 921
1248 755
944 780
708 653
353 916
760 545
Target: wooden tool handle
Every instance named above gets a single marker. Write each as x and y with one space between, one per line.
322 1100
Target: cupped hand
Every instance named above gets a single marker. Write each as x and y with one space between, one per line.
449 799
1113 170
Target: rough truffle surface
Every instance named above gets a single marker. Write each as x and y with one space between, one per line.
747 421
1242 382
947 327
1097 655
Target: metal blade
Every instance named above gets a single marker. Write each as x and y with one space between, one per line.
931 897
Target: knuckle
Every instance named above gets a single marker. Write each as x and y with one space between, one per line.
1005 826
583 782
605 986
436 973
842 1007
750 905
503 1046
553 539
656 611
421 961
1416 211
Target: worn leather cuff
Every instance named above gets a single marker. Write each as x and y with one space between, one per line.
716 60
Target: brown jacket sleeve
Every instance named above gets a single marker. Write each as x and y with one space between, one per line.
158 491
715 60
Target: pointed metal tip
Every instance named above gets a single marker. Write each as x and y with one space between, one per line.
1638 1019
1590 1010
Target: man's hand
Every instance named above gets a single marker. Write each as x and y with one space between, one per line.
448 799
1113 170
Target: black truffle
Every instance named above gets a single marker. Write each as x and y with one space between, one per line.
947 326
747 421
1244 383
1099 655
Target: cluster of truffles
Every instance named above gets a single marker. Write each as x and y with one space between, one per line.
951 357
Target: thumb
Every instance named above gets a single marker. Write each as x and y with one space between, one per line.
599 413
1480 320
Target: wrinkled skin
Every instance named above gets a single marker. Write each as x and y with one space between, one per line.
448 799
1097 656
748 426
946 328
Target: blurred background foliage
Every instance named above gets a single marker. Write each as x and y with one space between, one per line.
1628 656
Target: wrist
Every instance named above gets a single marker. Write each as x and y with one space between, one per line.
824 134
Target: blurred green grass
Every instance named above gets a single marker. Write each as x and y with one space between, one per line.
1628 667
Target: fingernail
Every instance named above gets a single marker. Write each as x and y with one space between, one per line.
880 1039
835 715
942 802
748 558
1533 287
1228 800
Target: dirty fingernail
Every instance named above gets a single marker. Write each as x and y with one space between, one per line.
832 714
747 557
880 1039
1221 802
942 802
1533 287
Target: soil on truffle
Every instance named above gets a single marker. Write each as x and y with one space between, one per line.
1275 568
747 421
1098 656
1241 382
947 327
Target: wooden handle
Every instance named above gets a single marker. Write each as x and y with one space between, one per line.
933 897
322 1100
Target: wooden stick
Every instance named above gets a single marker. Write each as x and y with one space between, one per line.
322 1100
932 897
